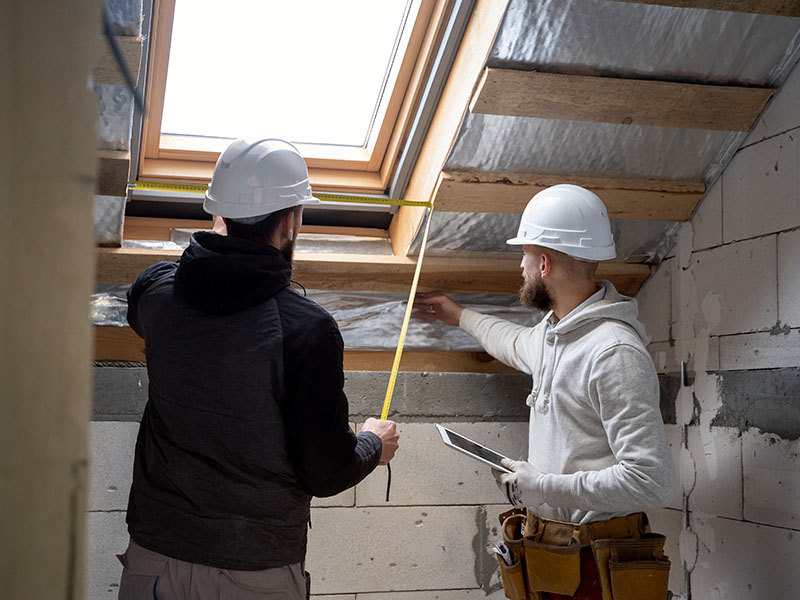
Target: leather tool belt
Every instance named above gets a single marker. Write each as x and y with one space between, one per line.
630 559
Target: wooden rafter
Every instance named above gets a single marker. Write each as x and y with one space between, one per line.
107 71
497 274
781 8
112 172
475 46
154 228
499 192
512 92
122 344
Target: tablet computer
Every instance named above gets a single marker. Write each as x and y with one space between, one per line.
472 448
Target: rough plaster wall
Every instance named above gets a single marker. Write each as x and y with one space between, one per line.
727 303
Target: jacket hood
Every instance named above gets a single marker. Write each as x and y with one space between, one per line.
222 275
613 305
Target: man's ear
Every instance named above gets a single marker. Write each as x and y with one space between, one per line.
288 226
545 264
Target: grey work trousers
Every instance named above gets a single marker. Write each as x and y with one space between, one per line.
150 575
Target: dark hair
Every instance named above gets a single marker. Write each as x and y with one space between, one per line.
262 231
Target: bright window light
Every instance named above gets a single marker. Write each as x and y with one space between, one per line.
310 71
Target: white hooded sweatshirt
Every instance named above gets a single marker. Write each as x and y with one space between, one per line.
595 422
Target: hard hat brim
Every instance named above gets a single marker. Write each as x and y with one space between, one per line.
583 253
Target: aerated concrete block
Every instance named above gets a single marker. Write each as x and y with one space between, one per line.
771 479
674 440
107 536
670 523
111 446
768 350
743 275
654 303
742 561
717 455
393 549
426 472
789 277
761 191
781 113
707 219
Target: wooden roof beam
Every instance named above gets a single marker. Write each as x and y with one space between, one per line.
107 72
498 273
505 192
122 344
781 8
516 93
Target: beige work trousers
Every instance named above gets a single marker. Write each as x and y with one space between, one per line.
150 575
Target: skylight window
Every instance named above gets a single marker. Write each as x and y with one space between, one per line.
310 71
342 80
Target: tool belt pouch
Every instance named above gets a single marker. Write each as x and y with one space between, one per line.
632 569
552 567
513 576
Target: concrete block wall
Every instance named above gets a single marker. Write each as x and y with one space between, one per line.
430 541
727 304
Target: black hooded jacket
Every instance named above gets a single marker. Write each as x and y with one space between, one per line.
246 417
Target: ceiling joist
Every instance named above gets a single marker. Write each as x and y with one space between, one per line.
781 8
497 274
107 71
511 92
505 192
112 172
122 344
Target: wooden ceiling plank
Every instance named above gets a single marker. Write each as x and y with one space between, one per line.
158 228
341 272
475 46
511 92
504 192
112 172
122 344
781 8
107 71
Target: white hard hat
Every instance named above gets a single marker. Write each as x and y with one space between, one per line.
254 179
570 219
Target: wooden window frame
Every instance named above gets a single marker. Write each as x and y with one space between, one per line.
181 159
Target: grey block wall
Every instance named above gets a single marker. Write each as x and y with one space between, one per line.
430 540
728 304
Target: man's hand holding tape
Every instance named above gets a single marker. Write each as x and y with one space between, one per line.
524 485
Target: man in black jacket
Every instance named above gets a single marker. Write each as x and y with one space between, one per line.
246 418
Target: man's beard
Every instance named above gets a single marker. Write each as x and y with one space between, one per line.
288 251
534 294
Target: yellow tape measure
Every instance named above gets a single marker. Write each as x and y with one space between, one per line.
324 196
404 329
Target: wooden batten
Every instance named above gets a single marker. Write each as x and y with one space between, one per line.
781 8
156 228
502 192
122 344
512 92
107 71
475 46
112 172
362 272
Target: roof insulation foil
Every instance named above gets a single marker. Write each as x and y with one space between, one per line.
617 39
636 241
367 320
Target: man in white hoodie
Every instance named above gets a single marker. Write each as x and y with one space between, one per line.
596 449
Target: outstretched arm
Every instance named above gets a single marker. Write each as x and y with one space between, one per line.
512 344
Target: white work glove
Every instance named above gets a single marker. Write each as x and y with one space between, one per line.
522 487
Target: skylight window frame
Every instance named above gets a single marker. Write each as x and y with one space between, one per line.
189 159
